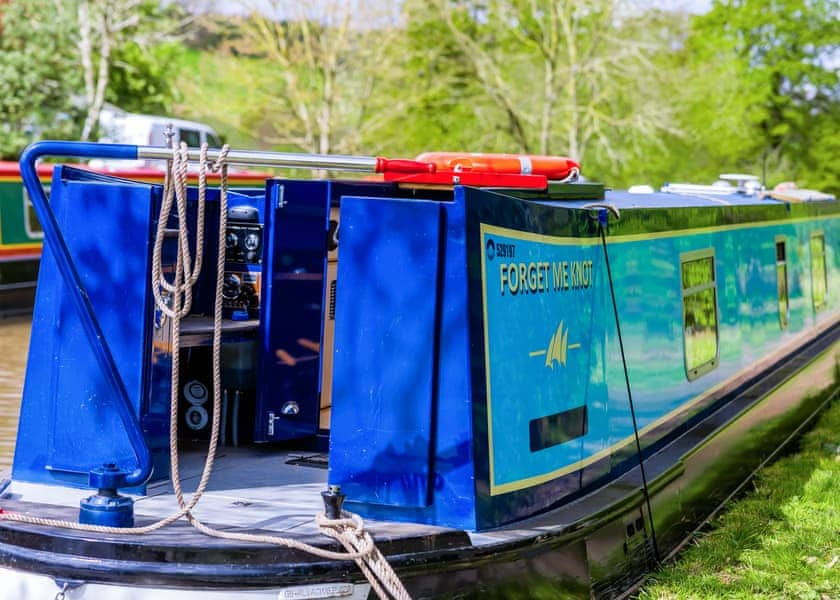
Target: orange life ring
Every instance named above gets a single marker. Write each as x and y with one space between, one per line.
552 167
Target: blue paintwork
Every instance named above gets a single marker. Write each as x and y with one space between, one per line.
109 225
646 274
291 307
393 324
107 511
747 306
390 311
107 507
442 375
293 300
55 241
66 384
543 343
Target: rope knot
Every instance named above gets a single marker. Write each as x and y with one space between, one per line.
221 160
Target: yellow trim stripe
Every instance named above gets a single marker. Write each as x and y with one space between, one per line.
637 237
21 246
483 229
18 179
537 237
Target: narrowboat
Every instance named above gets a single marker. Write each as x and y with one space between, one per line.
469 376
21 236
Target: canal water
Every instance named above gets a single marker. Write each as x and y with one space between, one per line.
14 345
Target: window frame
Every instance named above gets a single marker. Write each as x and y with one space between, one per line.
30 219
687 257
821 235
784 317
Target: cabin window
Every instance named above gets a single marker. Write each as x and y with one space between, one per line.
781 281
818 283
700 324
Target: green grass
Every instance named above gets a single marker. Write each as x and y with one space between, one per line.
217 89
782 540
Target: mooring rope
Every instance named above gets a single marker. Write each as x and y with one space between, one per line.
645 492
174 300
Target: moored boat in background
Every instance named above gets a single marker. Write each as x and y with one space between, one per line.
522 385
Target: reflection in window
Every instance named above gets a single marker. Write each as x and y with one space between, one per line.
818 283
781 282
700 327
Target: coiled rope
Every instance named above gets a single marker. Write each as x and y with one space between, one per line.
174 300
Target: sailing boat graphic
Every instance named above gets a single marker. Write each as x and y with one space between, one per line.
557 349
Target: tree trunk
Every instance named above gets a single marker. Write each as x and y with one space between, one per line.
95 85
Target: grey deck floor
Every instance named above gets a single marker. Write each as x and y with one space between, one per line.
249 487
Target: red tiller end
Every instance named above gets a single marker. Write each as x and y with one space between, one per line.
402 165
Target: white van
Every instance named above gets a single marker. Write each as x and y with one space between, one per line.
119 127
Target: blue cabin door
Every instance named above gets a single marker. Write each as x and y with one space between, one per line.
291 318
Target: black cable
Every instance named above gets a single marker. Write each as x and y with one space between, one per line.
601 223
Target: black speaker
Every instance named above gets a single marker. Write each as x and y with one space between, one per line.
195 396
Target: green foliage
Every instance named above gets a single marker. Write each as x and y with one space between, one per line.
144 62
37 75
535 77
206 93
41 75
759 89
781 541
432 102
143 79
642 96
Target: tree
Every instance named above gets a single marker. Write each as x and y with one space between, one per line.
143 79
125 51
113 29
323 53
781 84
568 77
36 73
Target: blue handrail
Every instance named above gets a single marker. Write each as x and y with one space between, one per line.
58 246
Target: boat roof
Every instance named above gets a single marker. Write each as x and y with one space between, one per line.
625 199
584 194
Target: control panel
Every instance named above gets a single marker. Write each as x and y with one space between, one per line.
243 264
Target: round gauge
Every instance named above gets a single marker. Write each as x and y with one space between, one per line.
252 241
231 240
232 286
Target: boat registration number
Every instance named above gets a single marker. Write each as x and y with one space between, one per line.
325 590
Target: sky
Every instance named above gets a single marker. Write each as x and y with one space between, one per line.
232 7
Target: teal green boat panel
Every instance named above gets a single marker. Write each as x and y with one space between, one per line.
17 222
